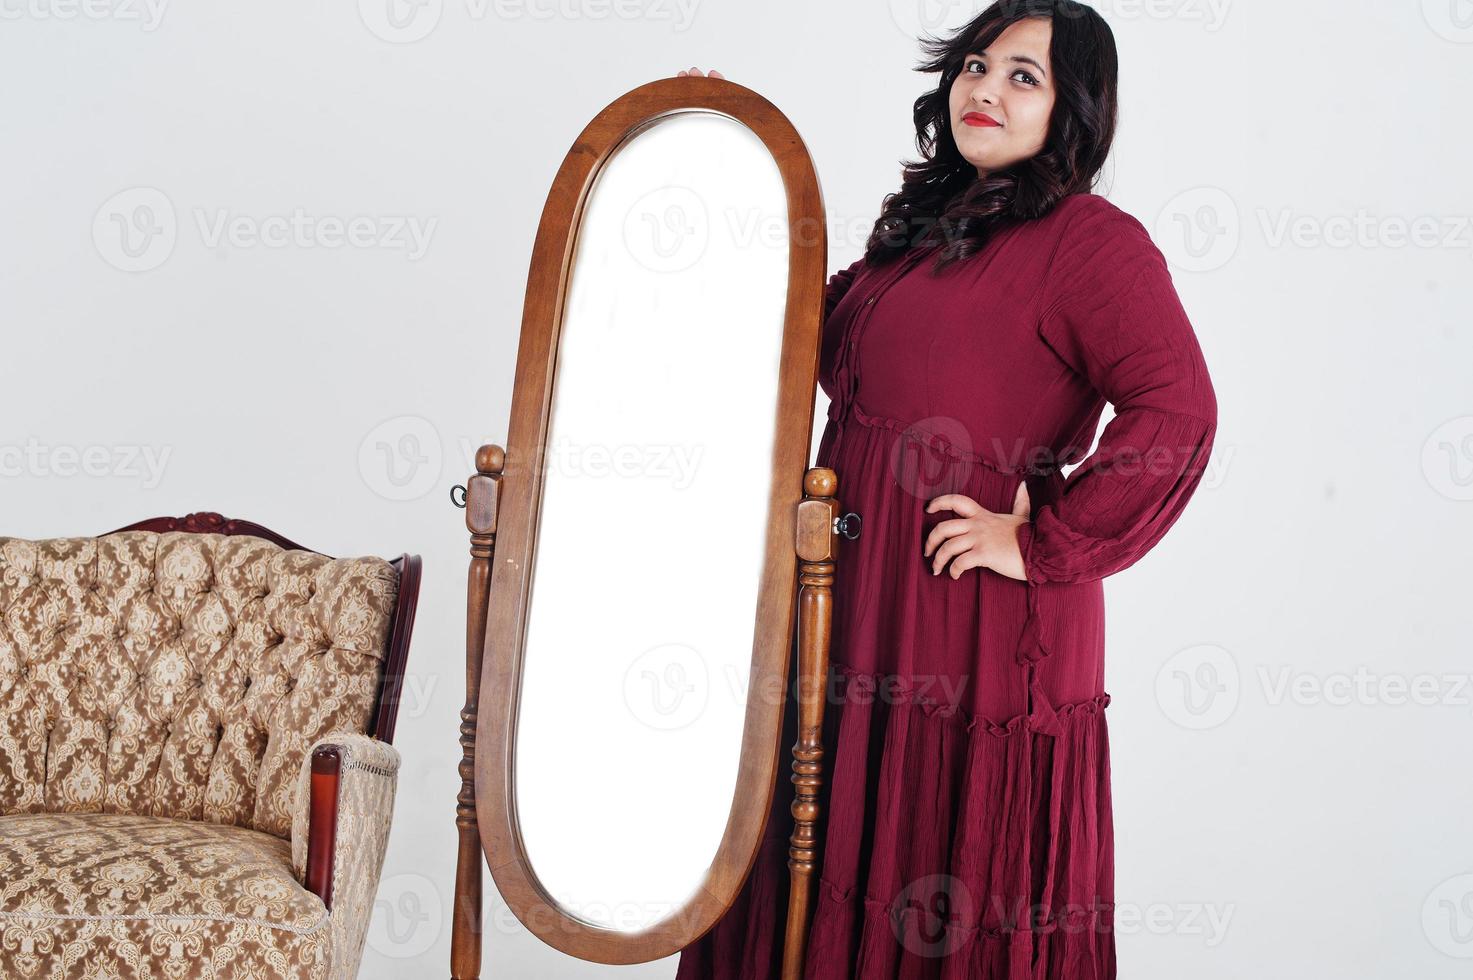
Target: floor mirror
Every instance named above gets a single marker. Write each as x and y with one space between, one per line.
651 556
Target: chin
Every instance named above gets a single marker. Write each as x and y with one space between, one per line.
978 161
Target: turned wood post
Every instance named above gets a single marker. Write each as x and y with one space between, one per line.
817 544
482 494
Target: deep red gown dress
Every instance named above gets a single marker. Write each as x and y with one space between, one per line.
967 827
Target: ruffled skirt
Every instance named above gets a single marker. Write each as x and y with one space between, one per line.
953 847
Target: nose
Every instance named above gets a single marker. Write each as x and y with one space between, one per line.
985 90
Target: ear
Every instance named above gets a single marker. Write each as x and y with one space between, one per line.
1022 506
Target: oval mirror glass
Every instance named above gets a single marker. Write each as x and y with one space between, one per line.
653 521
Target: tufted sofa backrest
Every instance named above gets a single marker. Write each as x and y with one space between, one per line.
180 674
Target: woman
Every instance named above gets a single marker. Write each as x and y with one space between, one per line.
999 305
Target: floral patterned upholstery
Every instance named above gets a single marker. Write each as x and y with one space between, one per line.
368 777
160 694
113 895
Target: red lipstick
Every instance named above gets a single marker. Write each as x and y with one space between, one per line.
979 119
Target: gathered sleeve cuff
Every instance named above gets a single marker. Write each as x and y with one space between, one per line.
1111 313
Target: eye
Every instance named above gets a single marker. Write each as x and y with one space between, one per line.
1020 74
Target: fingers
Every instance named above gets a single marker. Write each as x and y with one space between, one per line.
959 502
941 532
696 72
1022 506
959 545
938 534
958 538
963 562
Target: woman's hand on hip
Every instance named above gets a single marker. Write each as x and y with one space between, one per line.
978 538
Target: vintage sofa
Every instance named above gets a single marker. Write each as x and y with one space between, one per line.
196 778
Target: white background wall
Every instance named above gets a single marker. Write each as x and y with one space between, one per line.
1284 807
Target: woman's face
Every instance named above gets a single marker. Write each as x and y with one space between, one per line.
1012 83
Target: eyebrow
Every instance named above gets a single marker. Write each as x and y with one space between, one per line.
1017 57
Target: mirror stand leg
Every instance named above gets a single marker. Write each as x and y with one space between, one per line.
817 542
481 497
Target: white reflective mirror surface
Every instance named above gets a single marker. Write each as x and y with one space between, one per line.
653 524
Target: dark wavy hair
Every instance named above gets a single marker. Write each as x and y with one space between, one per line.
942 199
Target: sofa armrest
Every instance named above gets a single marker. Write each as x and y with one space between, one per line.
340 831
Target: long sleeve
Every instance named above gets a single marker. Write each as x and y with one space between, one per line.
838 285
831 353
1112 314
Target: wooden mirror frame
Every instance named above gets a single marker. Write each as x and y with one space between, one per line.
502 506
